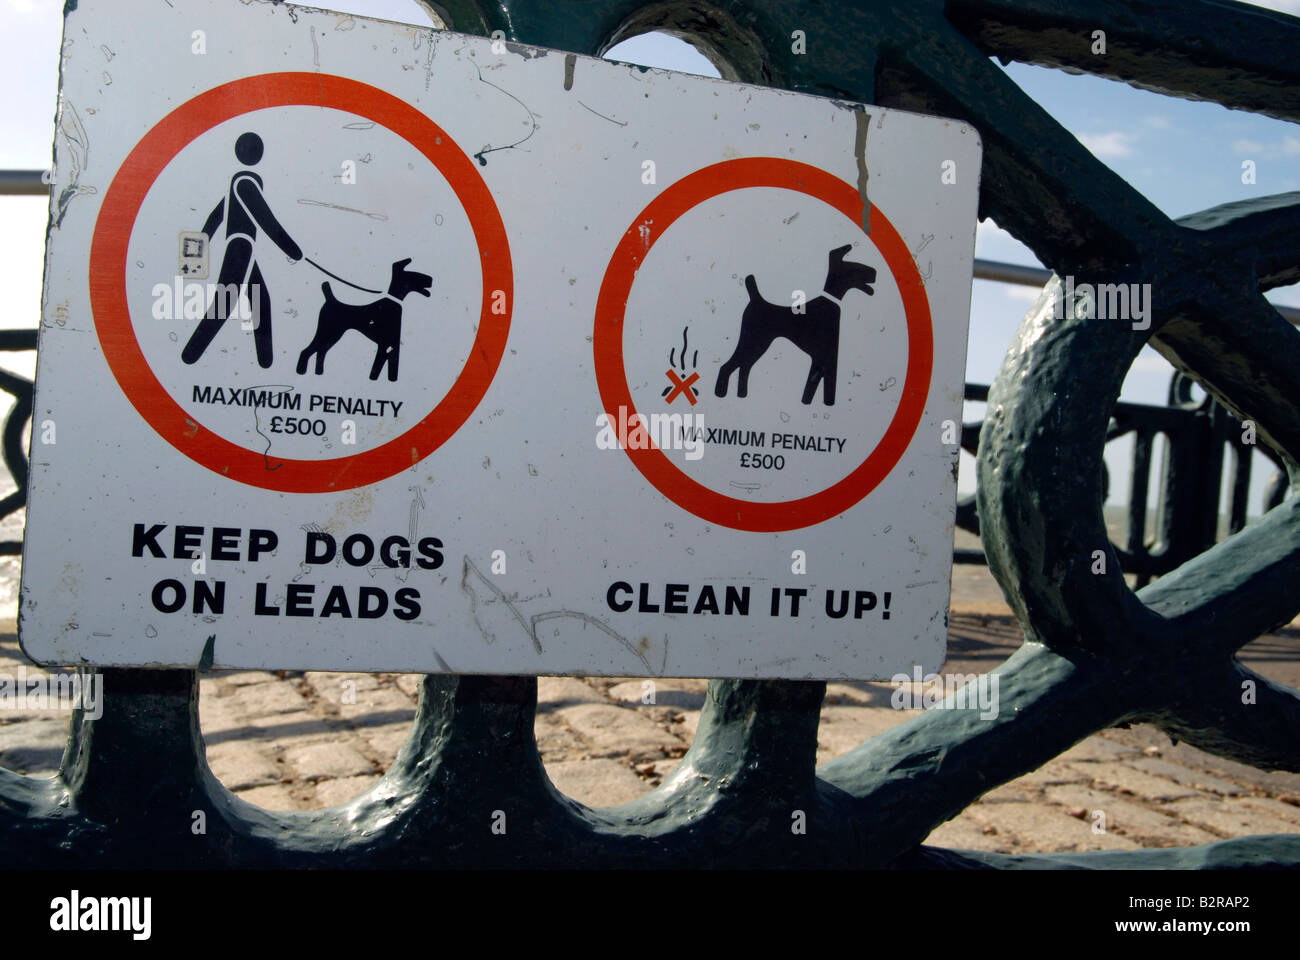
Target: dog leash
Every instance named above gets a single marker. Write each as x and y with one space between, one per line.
340 279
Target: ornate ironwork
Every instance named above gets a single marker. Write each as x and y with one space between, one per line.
15 428
1096 653
1199 434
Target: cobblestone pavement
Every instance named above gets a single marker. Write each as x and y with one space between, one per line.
297 741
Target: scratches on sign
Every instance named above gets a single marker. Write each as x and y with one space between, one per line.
481 156
75 151
599 625
621 123
498 595
863 120
472 577
339 206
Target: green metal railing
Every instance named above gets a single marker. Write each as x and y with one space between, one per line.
1096 654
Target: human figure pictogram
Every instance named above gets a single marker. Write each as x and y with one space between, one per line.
244 210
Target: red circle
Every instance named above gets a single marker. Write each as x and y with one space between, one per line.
611 376
108 262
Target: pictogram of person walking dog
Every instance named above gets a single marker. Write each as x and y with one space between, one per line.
245 210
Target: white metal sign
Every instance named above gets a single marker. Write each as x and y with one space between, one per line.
370 347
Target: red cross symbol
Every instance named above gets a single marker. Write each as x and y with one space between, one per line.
682 386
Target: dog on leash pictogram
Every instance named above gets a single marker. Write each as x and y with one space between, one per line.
814 330
245 210
379 321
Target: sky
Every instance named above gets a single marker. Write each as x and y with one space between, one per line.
1182 156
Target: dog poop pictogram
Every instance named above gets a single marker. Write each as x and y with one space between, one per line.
683 385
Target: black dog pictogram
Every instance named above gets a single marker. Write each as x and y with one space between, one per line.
816 331
380 321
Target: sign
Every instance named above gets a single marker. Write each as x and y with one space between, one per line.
372 347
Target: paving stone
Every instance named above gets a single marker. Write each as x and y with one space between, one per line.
863 693
1126 779
297 727
556 692
1053 772
555 741
842 729
596 783
410 683
1149 827
11 715
331 686
665 717
611 731
1017 791
660 717
1275 808
602 684
333 793
243 678
1187 776
1074 796
318 761
268 699
218 714
241 765
662 768
1038 828
10 665
18 703
1097 749
377 707
385 741
1271 781
1230 816
274 797
681 694
210 687
34 747
1144 735
963 833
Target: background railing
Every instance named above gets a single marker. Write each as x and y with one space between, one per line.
1189 515
1098 653
15 429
